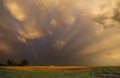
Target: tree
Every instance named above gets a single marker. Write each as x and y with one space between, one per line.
1 64
24 62
10 62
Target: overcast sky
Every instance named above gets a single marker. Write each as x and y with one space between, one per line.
60 32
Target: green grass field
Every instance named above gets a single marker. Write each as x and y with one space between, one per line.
21 72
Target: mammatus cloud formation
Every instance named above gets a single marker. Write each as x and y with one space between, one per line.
60 32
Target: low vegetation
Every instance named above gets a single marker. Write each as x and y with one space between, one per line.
53 72
23 62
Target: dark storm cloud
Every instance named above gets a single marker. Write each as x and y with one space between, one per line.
49 32
117 12
110 17
107 44
57 48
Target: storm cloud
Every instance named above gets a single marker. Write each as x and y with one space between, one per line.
58 32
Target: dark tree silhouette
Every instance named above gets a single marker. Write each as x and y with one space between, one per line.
1 64
10 62
24 62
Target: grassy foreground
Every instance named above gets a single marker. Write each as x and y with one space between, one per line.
56 72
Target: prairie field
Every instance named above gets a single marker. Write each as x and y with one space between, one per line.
57 71
65 68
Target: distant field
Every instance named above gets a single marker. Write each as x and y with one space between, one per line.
49 67
57 71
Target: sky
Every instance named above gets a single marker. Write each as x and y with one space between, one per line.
60 32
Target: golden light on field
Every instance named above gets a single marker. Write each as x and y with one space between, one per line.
61 32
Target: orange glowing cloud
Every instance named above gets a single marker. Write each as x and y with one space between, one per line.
15 10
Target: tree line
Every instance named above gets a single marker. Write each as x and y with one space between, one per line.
9 62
